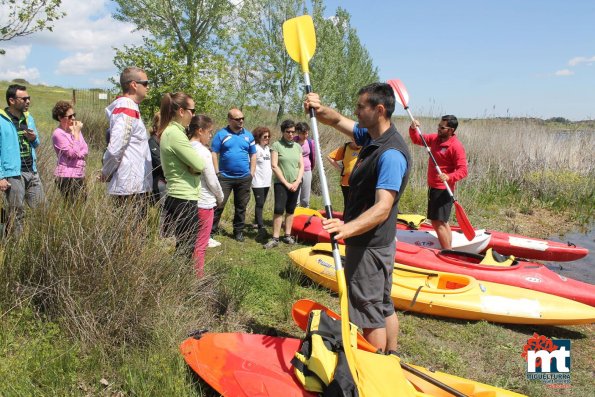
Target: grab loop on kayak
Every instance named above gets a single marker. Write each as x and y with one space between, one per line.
308 222
198 333
415 296
571 244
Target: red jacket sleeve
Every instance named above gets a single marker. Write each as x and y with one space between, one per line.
460 160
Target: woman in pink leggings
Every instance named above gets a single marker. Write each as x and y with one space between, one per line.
200 132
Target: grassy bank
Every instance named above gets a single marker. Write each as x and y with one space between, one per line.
91 306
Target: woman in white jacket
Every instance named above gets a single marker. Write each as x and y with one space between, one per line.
210 197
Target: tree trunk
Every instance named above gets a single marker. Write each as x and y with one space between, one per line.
280 113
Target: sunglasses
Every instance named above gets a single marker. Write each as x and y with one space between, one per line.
70 116
238 119
265 137
191 110
24 98
144 83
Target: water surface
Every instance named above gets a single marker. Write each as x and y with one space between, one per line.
582 269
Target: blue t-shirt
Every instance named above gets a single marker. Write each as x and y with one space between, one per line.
234 150
392 164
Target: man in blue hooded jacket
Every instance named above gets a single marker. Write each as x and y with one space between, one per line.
18 170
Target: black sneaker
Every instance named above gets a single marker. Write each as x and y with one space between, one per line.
271 244
288 239
239 237
262 232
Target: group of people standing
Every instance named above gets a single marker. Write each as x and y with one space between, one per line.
176 162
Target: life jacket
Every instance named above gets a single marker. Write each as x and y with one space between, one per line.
321 365
349 160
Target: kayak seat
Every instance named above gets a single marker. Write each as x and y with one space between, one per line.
478 257
493 258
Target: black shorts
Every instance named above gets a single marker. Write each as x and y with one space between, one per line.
439 205
285 201
369 276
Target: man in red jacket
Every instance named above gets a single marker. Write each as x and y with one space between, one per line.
450 156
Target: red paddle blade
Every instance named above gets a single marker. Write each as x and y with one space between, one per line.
401 94
463 221
301 310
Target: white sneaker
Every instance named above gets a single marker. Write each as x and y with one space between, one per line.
213 243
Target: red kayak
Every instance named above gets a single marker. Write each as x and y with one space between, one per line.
248 365
524 247
518 273
514 244
245 365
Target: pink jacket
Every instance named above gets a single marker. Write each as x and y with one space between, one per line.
71 154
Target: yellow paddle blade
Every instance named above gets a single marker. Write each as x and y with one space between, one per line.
300 39
307 211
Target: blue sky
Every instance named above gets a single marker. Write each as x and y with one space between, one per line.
470 58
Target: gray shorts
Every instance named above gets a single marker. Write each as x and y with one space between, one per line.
369 275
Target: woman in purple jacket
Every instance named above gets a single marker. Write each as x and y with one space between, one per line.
72 150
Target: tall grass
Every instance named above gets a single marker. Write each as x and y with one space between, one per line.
519 164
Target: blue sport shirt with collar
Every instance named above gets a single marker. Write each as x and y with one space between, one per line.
234 150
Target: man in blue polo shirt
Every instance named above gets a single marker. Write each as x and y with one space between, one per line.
235 162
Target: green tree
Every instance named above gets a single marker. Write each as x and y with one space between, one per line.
273 75
167 70
190 25
27 17
342 65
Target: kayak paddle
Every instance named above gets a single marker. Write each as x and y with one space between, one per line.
403 98
300 42
307 211
301 310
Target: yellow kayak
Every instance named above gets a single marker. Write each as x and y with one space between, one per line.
454 295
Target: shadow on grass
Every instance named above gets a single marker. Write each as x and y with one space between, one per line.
293 275
258 328
554 331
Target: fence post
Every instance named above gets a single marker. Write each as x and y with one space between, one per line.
73 97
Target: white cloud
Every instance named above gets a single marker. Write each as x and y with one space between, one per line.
14 54
100 82
564 72
578 60
88 35
81 63
12 64
20 72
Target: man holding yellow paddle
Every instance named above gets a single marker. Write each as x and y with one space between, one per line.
377 183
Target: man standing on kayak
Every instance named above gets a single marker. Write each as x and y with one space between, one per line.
450 156
376 184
